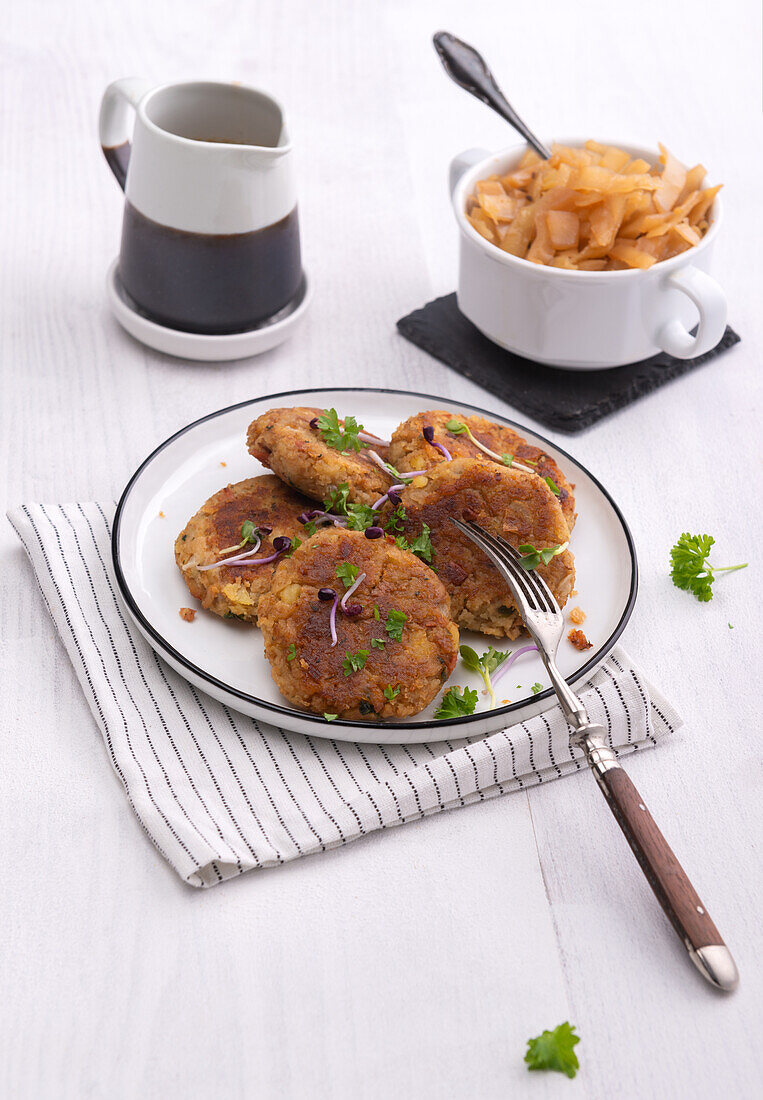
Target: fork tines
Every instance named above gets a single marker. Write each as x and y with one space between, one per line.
528 587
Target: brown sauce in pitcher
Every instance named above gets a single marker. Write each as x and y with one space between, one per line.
209 283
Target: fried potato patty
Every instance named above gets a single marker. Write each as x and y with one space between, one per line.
283 440
234 591
410 451
506 502
412 658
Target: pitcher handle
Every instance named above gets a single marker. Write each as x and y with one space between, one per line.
113 122
710 301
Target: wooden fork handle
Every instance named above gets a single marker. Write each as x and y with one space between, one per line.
663 872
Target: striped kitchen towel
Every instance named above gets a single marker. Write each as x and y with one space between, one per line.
218 793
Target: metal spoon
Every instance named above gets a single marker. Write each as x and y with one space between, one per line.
467 68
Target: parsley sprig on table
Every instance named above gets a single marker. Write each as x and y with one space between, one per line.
342 436
484 665
690 568
455 705
554 1050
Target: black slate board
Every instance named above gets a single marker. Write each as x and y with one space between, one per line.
563 399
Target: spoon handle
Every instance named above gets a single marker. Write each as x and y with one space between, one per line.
467 68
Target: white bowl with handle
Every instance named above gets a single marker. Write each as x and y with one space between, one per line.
583 320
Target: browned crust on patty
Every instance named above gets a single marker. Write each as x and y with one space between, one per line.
507 502
410 451
234 591
283 440
292 615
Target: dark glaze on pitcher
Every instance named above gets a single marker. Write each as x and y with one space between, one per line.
209 283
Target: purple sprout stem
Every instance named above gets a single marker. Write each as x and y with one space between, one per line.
366 437
506 665
231 561
439 447
332 621
380 501
358 580
317 516
259 561
379 462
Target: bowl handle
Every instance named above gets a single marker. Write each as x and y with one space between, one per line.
462 163
710 300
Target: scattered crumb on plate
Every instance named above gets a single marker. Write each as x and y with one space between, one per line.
187 614
223 463
161 515
574 592
579 640
577 616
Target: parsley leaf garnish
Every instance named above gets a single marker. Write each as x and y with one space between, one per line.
354 662
537 688
330 717
552 486
484 665
336 501
249 533
376 612
347 572
378 643
454 704
295 545
422 546
554 1050
291 652
360 516
391 693
394 624
690 568
342 436
532 558
395 520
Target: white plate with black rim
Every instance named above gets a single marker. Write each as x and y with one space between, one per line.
225 658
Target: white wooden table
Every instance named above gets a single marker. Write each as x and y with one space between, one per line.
416 963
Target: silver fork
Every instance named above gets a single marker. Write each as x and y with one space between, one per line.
542 616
